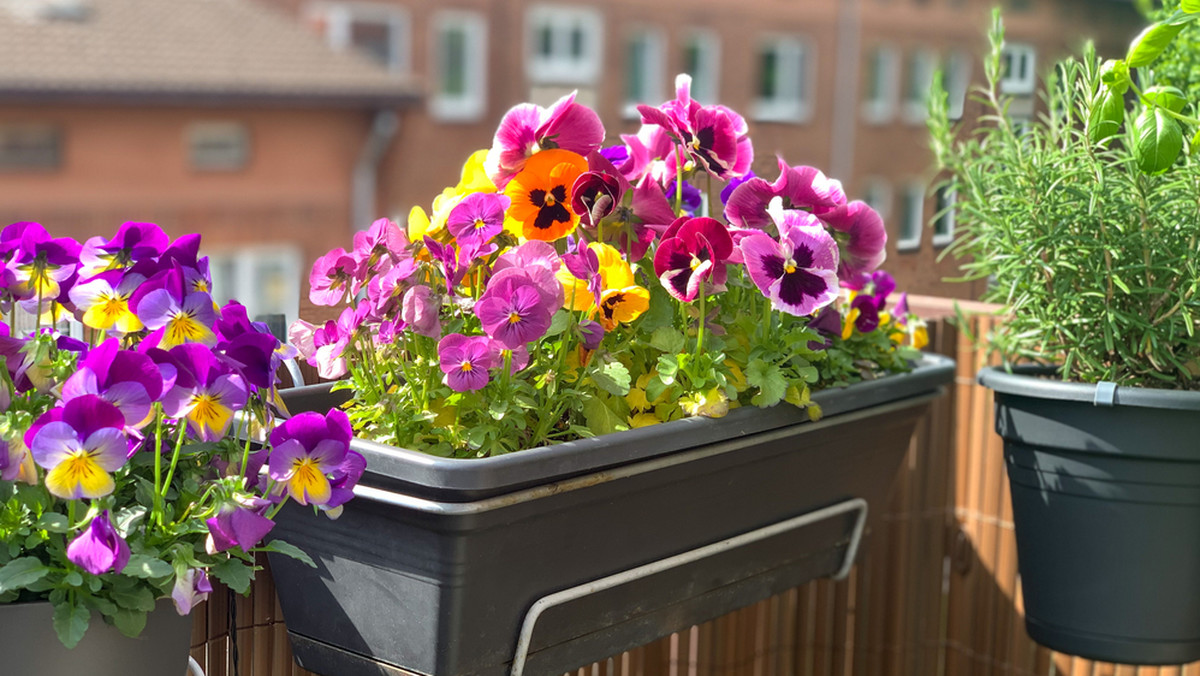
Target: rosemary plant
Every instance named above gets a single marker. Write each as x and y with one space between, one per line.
1085 220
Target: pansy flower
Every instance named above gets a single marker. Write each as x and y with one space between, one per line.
238 523
421 311
206 393
541 195
80 444
191 587
305 450
477 219
132 243
513 310
332 276
40 265
16 462
713 138
167 307
528 129
798 187
693 251
465 360
129 380
104 301
861 235
380 247
798 272
100 549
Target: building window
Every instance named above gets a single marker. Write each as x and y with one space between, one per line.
264 279
880 93
218 146
943 225
459 66
918 80
381 32
644 70
30 147
912 217
702 60
877 193
563 44
1018 69
784 75
957 80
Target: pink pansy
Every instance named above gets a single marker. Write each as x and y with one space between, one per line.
514 310
380 247
477 218
861 235
693 251
799 272
528 128
798 187
465 360
420 311
332 276
714 138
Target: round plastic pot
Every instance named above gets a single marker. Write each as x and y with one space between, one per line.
1106 503
435 564
30 647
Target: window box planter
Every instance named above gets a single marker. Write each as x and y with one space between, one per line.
30 646
1106 503
435 566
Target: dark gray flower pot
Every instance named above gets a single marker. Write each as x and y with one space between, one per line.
433 568
29 646
1106 502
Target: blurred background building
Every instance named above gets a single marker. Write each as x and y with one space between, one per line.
277 127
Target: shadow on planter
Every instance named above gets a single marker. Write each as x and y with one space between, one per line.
435 565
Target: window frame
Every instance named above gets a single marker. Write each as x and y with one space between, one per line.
55 153
957 82
709 43
921 62
471 106
797 109
338 19
556 70
195 130
245 260
1024 84
885 201
881 110
912 207
654 74
947 201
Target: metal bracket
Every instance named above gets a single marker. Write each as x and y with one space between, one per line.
616 579
1106 394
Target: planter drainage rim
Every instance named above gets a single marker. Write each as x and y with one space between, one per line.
1023 381
420 475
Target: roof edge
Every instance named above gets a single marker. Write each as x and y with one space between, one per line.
210 98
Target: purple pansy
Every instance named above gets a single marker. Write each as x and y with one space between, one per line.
514 310
129 380
190 588
465 360
382 245
80 444
238 523
206 393
305 450
861 235
421 311
528 128
175 314
693 251
477 218
799 272
100 548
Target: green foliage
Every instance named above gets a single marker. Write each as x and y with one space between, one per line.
1086 222
1179 65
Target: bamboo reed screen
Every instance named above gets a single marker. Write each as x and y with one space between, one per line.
936 592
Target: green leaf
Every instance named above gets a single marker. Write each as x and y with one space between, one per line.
1115 76
559 323
600 418
1190 6
129 622
667 339
769 380
21 572
1149 45
613 378
1107 114
1196 143
70 623
126 520
668 366
73 579
146 567
655 388
234 573
288 549
1159 141
1170 98
54 522
134 598
661 312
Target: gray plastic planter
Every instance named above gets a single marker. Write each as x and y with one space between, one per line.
1106 502
29 646
435 565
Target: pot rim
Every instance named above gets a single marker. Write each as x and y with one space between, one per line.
1025 380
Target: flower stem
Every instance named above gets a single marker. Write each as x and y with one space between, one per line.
156 508
175 456
678 180
700 330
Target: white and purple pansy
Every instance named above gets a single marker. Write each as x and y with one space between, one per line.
798 272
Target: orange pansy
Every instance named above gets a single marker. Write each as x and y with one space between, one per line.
541 194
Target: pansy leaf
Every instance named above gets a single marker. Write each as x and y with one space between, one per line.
147 567
129 622
127 520
600 418
234 573
559 323
288 549
770 382
1159 141
613 378
134 597
667 339
54 522
70 623
21 573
